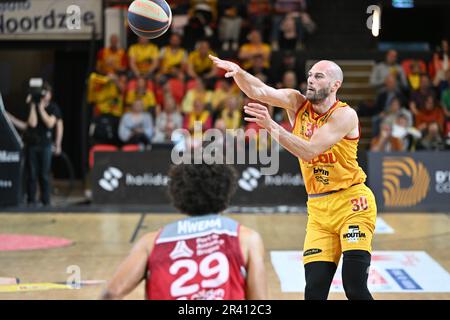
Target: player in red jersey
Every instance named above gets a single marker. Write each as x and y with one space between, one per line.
205 256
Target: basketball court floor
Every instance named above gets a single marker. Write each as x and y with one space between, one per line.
94 245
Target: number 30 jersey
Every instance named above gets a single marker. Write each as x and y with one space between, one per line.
197 258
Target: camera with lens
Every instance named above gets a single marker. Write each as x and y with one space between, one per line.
37 90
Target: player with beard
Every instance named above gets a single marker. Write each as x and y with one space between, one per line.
325 135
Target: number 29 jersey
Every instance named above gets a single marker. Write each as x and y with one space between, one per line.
197 258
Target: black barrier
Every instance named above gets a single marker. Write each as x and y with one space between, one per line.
418 181
10 161
140 178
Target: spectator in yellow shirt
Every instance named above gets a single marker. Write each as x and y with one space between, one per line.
220 93
200 114
199 64
414 76
173 58
254 47
106 93
142 89
199 92
143 58
231 115
112 59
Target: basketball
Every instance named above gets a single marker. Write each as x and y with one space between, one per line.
149 18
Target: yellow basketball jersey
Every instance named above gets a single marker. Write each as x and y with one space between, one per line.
336 168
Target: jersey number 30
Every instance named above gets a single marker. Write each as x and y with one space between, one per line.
360 204
220 271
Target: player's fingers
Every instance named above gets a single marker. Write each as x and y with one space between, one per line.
213 58
230 74
250 107
253 113
251 119
257 106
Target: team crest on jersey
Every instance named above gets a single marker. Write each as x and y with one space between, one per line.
310 128
181 250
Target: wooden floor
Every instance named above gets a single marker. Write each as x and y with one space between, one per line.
103 240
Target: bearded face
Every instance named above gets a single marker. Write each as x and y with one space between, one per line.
317 95
324 79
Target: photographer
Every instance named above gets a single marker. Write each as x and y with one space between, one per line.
43 117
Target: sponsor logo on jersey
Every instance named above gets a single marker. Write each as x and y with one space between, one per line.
323 158
181 250
321 175
353 234
320 171
310 252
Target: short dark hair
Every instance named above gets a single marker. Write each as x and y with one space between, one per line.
47 87
199 189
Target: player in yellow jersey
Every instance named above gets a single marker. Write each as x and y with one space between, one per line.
341 208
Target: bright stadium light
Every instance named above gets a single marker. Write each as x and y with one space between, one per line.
403 4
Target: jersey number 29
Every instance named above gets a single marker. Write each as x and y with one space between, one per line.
220 270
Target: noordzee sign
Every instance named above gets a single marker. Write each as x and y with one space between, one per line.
50 19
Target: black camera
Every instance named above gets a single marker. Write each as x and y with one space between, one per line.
37 90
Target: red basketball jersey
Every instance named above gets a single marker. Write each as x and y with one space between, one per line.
198 258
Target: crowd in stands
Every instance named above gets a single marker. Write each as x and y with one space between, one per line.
146 91
412 107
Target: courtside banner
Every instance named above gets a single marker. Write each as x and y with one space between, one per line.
11 161
390 271
50 19
140 178
404 181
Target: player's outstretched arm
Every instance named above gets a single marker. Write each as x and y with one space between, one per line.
256 285
341 122
131 271
254 88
